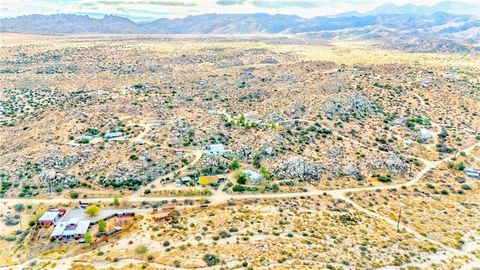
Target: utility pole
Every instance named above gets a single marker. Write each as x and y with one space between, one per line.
399 216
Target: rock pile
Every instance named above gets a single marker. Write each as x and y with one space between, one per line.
298 168
181 132
348 105
391 163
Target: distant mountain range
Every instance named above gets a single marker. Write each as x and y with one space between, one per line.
452 21
447 7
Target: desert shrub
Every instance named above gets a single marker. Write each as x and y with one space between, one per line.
102 225
141 249
88 237
73 194
19 207
384 179
241 178
10 238
235 164
238 188
211 260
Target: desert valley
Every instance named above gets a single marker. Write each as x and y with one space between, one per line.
164 151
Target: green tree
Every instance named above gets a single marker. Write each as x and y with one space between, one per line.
241 120
241 178
235 164
266 174
238 188
73 194
88 237
102 225
92 210
211 260
19 207
257 159
116 201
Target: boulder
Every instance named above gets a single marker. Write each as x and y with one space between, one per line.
298 168
346 105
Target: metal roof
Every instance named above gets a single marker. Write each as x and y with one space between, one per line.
80 228
49 216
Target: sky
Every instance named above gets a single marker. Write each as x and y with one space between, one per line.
145 10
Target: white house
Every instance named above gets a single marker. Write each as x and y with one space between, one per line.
184 181
73 228
470 172
48 218
112 135
215 149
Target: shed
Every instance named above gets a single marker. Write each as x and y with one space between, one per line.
183 181
470 172
48 218
178 151
208 179
112 135
216 149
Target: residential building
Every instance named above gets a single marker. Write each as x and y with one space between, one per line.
72 229
211 179
179 152
216 149
184 181
470 172
49 218
112 135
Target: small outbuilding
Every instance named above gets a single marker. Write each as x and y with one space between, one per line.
112 135
178 151
211 179
216 149
184 181
49 218
470 172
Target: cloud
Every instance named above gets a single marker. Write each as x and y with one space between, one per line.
88 4
279 4
169 3
230 2
152 2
